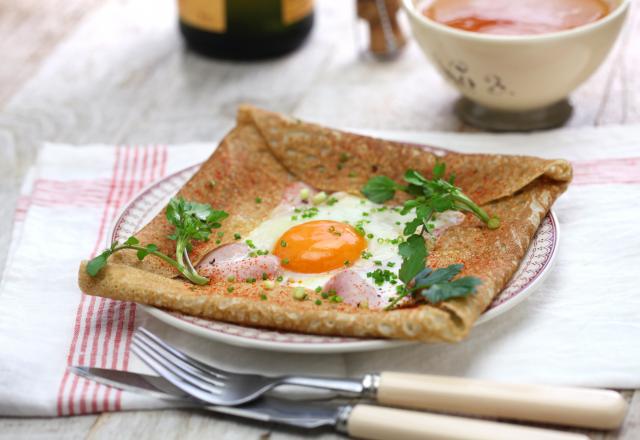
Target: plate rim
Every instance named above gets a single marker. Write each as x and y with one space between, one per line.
363 345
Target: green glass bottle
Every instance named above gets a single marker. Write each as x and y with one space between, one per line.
245 29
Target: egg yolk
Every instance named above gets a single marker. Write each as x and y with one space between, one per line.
319 246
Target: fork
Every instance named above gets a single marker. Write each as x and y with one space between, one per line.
592 408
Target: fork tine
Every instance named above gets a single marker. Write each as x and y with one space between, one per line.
194 391
177 362
186 358
196 379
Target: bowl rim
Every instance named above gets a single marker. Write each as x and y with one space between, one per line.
411 9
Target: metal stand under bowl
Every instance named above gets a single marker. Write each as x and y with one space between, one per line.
485 118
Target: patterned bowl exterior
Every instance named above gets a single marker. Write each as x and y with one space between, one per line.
151 200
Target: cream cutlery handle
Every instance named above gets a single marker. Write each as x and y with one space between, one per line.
592 408
381 423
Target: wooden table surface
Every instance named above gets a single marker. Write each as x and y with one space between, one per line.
116 71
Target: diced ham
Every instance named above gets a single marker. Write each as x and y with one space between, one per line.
291 196
354 289
291 199
232 260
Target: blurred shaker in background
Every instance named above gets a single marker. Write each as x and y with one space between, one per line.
385 35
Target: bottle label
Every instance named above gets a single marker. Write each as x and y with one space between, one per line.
208 15
295 10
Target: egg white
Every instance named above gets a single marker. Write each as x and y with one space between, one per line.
383 231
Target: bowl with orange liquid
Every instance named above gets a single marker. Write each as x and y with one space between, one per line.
515 62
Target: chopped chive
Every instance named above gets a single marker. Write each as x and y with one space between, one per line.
279 279
263 297
258 200
283 243
237 236
231 278
230 289
318 302
264 275
318 289
285 261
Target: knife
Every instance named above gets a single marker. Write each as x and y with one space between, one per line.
357 420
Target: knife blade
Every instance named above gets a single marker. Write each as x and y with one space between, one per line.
266 409
358 420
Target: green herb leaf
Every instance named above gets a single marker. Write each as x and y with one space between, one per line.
414 254
132 240
379 189
445 290
141 254
97 263
438 170
415 178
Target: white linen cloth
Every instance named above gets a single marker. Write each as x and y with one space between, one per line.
581 327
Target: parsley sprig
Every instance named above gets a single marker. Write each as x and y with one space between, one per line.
436 285
192 221
429 197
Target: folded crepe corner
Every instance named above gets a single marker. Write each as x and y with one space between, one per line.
265 153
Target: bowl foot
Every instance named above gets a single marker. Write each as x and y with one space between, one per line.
485 118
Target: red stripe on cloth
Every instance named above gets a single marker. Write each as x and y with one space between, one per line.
155 173
149 175
606 171
129 312
119 323
86 330
78 318
48 192
91 317
83 350
100 318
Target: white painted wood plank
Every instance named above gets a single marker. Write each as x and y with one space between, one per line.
70 428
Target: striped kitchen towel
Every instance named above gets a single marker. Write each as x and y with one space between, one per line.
580 328
68 204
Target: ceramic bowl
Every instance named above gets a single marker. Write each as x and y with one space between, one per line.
516 73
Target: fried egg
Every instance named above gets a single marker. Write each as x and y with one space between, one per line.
343 247
317 243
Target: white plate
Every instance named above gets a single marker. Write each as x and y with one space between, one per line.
143 207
